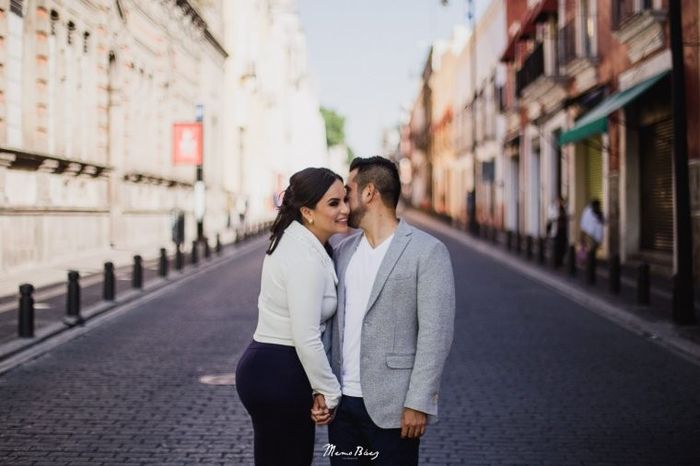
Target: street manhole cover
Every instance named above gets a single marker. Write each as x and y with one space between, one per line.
220 379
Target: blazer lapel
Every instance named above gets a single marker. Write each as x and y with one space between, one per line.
343 261
396 248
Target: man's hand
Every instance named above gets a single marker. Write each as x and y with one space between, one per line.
413 423
320 413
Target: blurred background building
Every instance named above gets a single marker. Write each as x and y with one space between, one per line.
549 99
89 93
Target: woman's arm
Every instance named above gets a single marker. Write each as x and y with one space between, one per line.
306 285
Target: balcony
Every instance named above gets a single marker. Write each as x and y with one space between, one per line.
576 57
636 24
532 69
538 79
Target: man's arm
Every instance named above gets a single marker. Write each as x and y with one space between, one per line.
436 313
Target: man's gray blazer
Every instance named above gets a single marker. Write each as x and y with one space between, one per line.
408 327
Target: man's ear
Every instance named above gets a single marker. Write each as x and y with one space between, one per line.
369 192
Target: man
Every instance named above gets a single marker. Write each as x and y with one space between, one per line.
394 326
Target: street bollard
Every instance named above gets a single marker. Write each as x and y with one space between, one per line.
591 263
528 247
163 263
108 282
571 261
137 273
509 240
541 248
615 274
73 316
218 244
194 258
643 283
207 249
179 259
26 311
494 235
518 243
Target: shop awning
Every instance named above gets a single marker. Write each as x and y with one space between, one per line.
596 121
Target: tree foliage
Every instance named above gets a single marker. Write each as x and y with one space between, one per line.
335 127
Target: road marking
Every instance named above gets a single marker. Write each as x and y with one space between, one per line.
221 379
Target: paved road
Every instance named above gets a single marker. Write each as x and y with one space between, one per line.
533 379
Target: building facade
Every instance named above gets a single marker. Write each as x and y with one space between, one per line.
89 93
582 110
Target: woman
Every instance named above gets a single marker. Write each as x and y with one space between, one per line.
285 371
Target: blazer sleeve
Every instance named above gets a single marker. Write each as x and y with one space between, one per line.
306 284
436 313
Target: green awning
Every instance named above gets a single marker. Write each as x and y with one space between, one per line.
596 121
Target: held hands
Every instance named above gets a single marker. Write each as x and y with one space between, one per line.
320 413
412 423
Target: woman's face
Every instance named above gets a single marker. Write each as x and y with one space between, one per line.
330 216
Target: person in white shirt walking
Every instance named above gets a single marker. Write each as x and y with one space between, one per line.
285 370
393 329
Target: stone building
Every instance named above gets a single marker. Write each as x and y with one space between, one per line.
89 93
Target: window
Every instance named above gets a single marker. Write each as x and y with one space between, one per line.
16 7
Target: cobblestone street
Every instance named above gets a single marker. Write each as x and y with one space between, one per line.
533 379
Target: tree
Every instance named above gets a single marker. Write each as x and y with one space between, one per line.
335 130
335 127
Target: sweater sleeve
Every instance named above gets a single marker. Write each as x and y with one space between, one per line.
306 284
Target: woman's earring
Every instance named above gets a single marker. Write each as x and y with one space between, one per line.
311 222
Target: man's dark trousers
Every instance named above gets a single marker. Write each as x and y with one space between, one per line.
353 429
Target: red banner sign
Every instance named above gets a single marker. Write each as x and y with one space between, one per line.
187 143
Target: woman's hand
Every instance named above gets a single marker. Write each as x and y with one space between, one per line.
320 413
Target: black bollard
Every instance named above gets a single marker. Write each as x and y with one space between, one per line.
73 316
108 282
494 235
26 311
509 240
218 244
615 274
163 263
643 283
571 261
528 247
179 259
541 248
207 249
194 258
137 273
591 263
518 243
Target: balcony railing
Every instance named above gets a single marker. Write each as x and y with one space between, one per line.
532 68
622 10
567 43
568 50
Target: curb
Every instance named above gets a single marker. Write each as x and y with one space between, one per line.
20 350
664 334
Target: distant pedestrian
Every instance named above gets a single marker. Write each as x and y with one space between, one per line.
285 370
558 229
592 224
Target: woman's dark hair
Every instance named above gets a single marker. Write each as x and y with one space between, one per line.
306 188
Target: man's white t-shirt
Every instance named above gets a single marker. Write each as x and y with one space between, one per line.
359 280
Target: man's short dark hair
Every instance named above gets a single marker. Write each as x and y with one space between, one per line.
382 173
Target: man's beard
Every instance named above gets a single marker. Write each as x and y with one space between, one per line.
356 216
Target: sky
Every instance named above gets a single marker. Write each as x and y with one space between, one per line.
366 57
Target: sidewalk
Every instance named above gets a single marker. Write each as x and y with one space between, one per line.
652 321
51 290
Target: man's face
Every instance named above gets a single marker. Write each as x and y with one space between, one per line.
357 207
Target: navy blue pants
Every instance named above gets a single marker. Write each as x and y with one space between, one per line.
274 389
356 439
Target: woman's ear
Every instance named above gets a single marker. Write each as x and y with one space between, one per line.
306 214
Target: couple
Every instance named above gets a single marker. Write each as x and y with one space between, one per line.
355 337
